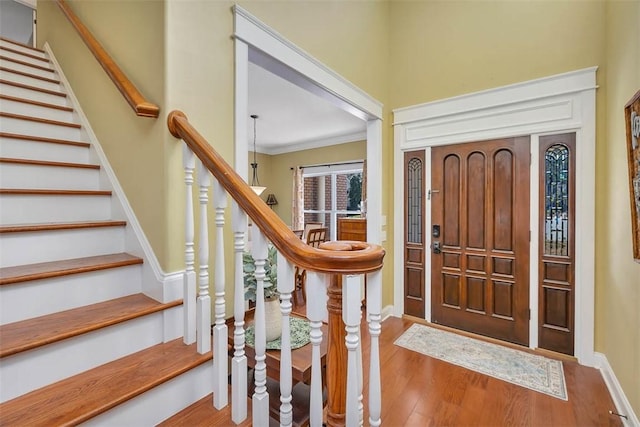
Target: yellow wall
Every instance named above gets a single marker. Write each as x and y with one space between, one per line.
133 145
400 52
441 49
279 174
617 275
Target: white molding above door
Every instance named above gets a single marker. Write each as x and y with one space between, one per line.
555 104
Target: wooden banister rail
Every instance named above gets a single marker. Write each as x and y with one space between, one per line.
332 257
136 100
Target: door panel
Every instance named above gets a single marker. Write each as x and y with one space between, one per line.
556 262
414 237
480 280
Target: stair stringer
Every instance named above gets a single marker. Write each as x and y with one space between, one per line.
157 284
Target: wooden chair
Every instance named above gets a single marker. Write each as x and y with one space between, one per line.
310 226
315 236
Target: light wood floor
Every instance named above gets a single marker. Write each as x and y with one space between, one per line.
418 390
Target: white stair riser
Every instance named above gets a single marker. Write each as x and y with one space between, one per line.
25 109
55 245
36 368
46 296
26 80
13 175
17 47
37 150
27 69
28 127
35 208
161 402
34 95
24 58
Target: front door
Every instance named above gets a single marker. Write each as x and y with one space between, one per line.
480 237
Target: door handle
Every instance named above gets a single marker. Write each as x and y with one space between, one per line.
436 247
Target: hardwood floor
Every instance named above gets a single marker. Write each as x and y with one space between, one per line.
418 390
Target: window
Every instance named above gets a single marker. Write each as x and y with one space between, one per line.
332 192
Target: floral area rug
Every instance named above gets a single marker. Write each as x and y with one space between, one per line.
300 335
528 370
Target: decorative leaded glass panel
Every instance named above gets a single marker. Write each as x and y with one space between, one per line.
415 192
556 200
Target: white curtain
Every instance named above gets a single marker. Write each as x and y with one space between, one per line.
297 200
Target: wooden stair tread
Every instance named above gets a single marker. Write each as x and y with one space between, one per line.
32 333
202 413
18 228
35 88
28 55
41 192
26 64
35 49
33 76
37 103
43 139
44 270
39 120
48 163
81 397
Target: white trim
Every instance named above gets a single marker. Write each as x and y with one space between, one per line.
256 42
33 4
615 390
554 104
387 311
257 34
315 143
157 284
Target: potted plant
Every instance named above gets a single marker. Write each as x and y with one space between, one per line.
273 315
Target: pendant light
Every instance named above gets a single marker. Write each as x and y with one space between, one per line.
255 182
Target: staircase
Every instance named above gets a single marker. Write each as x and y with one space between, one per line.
79 340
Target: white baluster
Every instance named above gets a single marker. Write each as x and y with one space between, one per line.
239 361
220 332
189 279
374 308
351 317
285 287
203 312
360 380
316 287
260 399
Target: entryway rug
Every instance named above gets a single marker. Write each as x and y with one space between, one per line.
528 370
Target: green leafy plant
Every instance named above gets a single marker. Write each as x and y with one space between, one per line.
270 280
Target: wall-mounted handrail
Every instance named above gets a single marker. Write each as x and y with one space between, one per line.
136 100
332 257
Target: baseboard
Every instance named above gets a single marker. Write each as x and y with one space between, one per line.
156 284
617 394
387 311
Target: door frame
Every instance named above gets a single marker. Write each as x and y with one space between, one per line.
258 43
555 104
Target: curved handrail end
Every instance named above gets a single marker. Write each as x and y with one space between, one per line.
147 109
171 124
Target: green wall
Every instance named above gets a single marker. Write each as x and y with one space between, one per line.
277 174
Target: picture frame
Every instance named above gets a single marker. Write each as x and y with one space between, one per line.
632 123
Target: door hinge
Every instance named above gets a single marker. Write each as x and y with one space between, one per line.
431 192
529 236
529 313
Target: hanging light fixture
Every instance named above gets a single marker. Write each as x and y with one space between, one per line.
255 182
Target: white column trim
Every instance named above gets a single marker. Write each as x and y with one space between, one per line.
554 104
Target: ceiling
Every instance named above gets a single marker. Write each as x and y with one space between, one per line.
292 119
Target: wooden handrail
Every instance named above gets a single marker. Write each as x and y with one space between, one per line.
140 105
344 257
